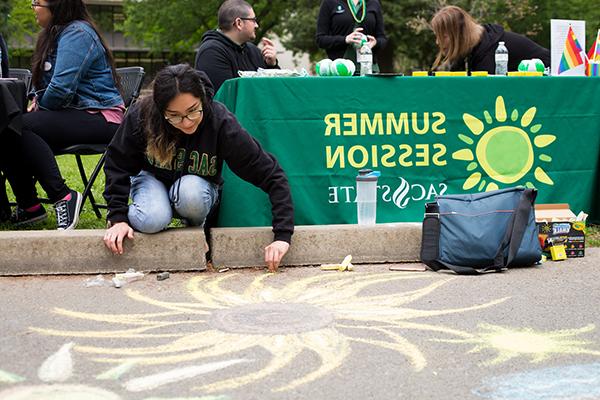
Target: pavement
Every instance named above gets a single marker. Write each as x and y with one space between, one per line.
304 333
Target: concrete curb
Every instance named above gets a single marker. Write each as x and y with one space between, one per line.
183 249
317 244
83 252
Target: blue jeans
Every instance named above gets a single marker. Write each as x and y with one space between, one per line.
190 197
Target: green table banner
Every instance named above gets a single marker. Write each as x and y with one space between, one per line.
427 135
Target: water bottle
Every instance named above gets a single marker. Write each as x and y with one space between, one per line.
366 196
501 58
365 60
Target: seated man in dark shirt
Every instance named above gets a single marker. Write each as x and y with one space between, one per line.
229 49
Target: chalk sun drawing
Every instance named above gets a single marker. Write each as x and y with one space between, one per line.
323 314
502 151
538 346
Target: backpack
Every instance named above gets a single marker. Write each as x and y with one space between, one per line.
484 232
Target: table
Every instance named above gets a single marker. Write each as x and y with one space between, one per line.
13 102
427 136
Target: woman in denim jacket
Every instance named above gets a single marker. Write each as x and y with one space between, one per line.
76 101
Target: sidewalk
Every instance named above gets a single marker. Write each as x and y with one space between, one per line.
304 333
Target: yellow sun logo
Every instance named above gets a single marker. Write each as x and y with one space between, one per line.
501 150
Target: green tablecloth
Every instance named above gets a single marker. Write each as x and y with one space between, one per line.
427 136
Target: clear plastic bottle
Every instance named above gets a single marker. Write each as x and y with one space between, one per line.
501 58
365 60
366 196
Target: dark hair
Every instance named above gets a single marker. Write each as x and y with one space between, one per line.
162 137
230 10
63 13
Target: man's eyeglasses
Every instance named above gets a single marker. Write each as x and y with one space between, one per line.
193 116
250 19
36 3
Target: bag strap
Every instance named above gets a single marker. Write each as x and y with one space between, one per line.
513 237
436 265
515 229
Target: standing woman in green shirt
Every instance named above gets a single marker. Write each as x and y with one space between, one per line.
341 23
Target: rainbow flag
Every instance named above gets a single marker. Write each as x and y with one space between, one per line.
593 68
571 56
594 54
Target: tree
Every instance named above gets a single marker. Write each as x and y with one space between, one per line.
179 25
17 24
574 9
5 7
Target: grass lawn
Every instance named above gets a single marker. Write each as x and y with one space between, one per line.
592 236
68 168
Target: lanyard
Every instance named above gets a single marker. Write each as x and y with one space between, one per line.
354 10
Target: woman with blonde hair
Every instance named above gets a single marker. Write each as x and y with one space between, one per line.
466 45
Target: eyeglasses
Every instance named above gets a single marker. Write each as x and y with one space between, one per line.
36 3
193 116
254 19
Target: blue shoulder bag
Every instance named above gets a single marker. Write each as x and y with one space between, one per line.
484 232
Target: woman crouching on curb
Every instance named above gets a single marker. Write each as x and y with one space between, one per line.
168 156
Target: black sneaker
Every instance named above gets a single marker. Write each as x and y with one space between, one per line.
67 211
22 217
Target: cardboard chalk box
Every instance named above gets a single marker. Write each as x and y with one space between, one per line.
556 222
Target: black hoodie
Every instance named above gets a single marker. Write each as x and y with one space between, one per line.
219 138
221 58
519 48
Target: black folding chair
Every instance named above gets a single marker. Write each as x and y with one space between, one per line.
131 79
21 74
